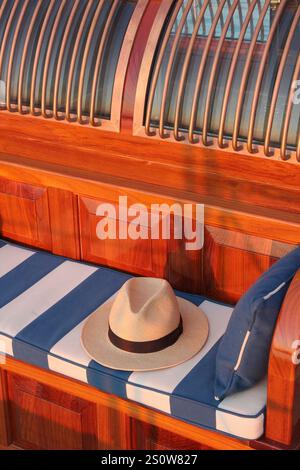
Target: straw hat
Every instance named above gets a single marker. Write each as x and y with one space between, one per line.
145 327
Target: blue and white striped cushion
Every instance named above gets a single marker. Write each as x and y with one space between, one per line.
44 302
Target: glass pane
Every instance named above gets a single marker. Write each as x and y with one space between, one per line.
76 11
212 26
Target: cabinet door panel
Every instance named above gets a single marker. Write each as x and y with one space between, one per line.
141 256
24 214
147 437
46 418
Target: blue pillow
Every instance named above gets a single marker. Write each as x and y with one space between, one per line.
243 354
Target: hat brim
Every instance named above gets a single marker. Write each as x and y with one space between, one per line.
95 341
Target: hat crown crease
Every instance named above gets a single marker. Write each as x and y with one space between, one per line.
144 310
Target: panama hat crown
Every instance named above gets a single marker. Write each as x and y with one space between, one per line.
144 311
145 327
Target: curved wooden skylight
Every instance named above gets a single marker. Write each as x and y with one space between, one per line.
222 73
67 59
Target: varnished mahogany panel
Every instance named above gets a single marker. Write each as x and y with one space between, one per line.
5 437
147 257
233 261
24 213
114 415
283 407
147 437
48 418
63 207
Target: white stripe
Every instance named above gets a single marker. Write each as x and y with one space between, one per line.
167 380
242 350
274 291
66 368
28 306
249 403
11 257
69 347
156 400
6 345
239 426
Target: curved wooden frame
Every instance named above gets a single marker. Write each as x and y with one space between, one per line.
283 407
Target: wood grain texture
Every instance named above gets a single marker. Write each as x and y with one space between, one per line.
148 437
123 411
233 261
5 428
283 408
24 213
147 257
203 172
48 418
63 207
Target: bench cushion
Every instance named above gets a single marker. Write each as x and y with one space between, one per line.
44 302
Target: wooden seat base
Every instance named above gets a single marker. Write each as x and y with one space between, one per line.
44 410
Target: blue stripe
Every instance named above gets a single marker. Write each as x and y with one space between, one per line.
25 275
107 380
2 243
61 318
194 298
194 395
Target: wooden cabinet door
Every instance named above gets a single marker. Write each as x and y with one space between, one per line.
24 214
142 256
43 417
148 437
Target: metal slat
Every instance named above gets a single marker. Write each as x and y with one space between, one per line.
201 71
158 67
12 54
85 58
232 69
278 81
24 55
37 55
169 69
99 59
48 57
61 57
214 71
245 76
182 82
6 32
260 75
288 112
74 58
